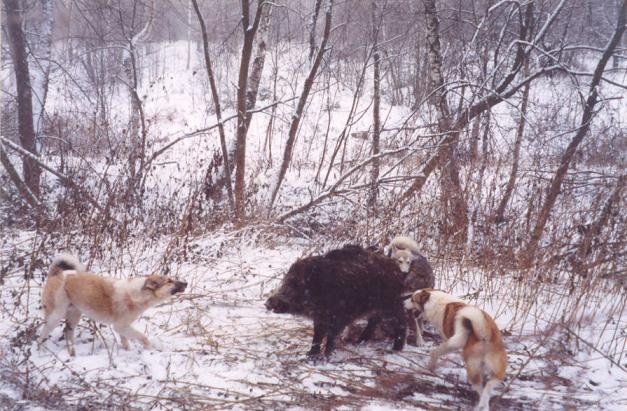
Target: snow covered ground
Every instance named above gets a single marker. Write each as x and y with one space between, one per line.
217 347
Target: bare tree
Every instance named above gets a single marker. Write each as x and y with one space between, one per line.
138 131
17 43
451 123
296 117
42 60
250 29
376 103
454 206
529 253
217 105
258 62
520 131
312 28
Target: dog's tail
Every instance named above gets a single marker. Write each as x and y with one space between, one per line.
485 329
404 243
478 322
64 262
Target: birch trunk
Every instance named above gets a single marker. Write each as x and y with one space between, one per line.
376 118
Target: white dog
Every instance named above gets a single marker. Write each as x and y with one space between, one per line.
70 292
419 274
466 327
403 250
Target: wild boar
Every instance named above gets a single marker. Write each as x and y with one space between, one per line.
417 274
339 287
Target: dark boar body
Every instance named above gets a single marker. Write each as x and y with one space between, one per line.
420 276
339 287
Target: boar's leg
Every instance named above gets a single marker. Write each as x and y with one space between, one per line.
400 326
332 332
368 332
414 328
320 329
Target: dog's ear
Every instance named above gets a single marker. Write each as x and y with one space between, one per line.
420 298
151 284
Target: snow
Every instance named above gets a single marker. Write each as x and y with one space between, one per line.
216 346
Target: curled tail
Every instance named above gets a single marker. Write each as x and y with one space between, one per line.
487 332
477 322
64 262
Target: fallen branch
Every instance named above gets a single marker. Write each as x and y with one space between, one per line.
66 181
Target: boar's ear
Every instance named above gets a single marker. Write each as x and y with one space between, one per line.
151 284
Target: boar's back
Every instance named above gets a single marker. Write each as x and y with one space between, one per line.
350 281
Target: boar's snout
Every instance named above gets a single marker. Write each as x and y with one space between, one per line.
277 304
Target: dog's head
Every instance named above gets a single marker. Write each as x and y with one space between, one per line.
416 303
163 287
403 258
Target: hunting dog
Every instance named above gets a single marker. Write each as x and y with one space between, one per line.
466 327
69 291
418 275
403 250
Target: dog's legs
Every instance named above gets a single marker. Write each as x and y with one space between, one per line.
474 371
124 342
127 331
419 329
484 400
52 320
456 342
72 316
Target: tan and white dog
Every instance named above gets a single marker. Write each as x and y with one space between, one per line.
69 291
466 327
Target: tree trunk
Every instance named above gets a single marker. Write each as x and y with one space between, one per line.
258 63
40 82
312 28
17 43
138 131
291 138
499 215
453 202
529 253
216 102
242 91
376 120
14 176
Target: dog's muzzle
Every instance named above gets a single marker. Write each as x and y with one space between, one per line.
179 287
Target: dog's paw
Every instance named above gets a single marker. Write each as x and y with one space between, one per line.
156 345
433 362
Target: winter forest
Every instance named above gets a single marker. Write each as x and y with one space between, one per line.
217 142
